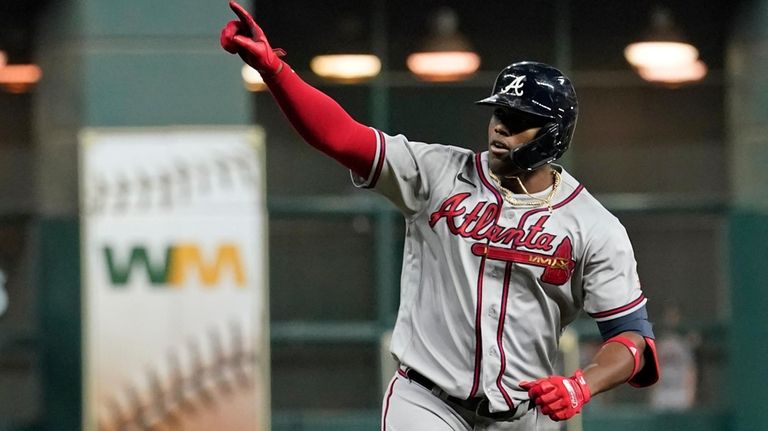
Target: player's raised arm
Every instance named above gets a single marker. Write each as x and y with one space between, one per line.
318 118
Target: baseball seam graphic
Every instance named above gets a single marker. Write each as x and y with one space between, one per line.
170 185
193 383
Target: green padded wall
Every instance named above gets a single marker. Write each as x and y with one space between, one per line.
748 224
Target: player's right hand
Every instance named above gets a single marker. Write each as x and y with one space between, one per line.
245 38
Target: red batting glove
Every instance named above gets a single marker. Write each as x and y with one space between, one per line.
245 38
559 397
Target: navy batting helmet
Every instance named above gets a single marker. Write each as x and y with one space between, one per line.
543 94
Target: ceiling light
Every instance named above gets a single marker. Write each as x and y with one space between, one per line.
252 79
346 68
663 55
345 53
443 66
662 44
675 75
446 54
19 78
660 54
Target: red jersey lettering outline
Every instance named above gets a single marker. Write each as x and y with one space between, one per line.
479 224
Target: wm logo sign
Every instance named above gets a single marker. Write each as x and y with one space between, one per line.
176 264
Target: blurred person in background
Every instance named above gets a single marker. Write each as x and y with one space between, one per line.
676 390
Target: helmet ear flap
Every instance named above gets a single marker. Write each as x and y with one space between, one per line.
548 129
540 150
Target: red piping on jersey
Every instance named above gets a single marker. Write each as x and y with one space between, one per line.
564 202
481 174
478 330
390 391
479 308
618 310
499 333
380 162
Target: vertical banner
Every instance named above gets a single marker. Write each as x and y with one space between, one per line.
174 277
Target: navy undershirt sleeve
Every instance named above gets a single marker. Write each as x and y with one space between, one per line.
636 321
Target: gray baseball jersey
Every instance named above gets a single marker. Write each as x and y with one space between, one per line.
487 288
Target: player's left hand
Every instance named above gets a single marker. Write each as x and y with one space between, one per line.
559 397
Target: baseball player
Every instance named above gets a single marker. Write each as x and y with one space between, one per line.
503 249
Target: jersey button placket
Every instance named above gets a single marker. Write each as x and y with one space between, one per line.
490 322
494 285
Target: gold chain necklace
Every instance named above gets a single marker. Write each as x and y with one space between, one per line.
534 202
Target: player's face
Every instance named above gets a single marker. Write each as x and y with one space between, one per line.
506 132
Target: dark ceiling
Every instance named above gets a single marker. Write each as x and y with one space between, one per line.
503 30
18 20
500 29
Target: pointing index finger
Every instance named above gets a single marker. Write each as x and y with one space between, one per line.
246 18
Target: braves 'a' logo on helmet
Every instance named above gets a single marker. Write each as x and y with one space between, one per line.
516 86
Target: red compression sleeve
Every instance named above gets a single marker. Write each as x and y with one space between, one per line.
323 123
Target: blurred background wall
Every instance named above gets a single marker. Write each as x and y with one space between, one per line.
683 167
